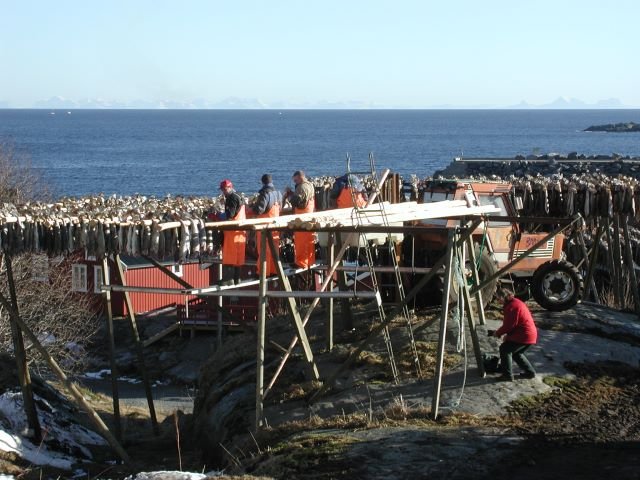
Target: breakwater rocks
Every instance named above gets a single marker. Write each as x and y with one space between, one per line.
615 127
542 165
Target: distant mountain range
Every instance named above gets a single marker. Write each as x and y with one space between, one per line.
573 104
256 104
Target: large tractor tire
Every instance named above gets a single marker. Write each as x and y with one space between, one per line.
557 285
486 267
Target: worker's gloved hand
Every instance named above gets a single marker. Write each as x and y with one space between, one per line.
491 333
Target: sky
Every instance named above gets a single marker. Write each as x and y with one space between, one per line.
409 54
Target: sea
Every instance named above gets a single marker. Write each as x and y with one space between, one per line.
188 152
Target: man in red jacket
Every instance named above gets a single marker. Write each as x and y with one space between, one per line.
520 333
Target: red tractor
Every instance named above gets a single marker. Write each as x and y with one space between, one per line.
553 282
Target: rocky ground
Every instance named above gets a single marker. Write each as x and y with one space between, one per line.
580 418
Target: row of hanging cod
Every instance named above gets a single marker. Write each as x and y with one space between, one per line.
134 225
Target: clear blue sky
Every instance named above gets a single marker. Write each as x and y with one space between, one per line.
390 53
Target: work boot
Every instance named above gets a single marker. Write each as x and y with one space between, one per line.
504 378
528 375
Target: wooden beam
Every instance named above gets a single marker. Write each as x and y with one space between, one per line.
592 263
139 348
22 366
591 284
331 251
261 333
617 261
115 396
444 314
633 280
466 306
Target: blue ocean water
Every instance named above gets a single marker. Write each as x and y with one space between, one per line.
188 152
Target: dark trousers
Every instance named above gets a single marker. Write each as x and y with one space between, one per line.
515 350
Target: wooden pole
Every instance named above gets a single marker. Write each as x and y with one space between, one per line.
262 321
219 304
437 380
585 253
617 261
24 377
346 315
71 387
592 262
139 349
611 262
466 303
331 250
630 267
112 351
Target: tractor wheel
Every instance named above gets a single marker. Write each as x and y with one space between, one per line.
557 285
486 267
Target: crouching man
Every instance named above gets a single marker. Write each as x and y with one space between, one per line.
520 333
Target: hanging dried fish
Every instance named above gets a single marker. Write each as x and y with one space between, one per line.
184 243
146 240
154 250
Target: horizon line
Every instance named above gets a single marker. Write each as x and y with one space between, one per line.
319 108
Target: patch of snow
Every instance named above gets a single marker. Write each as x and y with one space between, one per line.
98 375
6 477
46 338
131 380
106 373
170 476
69 438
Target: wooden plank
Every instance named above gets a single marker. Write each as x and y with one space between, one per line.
384 220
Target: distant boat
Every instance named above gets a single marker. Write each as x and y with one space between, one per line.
68 113
52 113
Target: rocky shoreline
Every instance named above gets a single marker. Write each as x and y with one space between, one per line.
615 127
542 165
